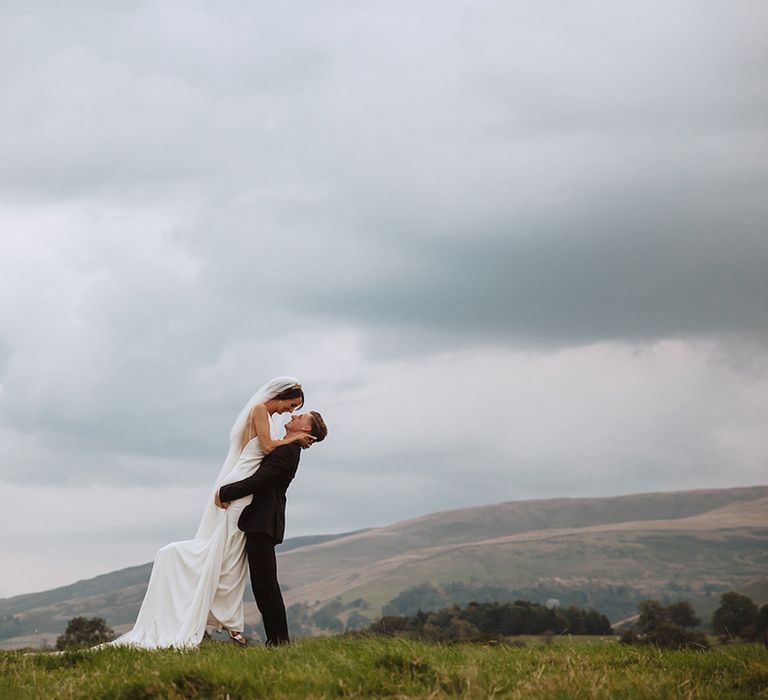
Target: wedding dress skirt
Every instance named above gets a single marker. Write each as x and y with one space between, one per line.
198 582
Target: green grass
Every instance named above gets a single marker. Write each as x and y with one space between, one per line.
374 667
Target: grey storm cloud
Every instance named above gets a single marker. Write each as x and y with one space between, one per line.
638 276
197 184
512 249
430 104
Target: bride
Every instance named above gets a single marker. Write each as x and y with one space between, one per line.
201 582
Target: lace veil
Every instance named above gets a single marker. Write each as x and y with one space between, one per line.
268 391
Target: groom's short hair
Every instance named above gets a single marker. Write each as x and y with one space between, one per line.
318 430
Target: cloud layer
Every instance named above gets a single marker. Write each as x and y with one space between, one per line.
512 250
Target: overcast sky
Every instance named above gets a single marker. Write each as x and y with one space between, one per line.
512 250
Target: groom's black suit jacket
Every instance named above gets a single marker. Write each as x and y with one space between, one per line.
266 513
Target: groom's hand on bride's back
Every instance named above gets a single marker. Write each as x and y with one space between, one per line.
217 501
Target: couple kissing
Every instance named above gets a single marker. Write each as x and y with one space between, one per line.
201 582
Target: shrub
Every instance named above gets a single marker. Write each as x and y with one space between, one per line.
84 632
666 628
736 616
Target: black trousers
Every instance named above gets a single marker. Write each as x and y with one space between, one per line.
263 565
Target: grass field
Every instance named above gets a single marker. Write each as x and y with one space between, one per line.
374 667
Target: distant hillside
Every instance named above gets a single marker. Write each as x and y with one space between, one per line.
306 540
607 552
116 596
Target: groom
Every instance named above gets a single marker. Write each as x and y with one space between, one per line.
263 521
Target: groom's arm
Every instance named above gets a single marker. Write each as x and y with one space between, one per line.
274 467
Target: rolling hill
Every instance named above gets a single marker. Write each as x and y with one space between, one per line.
607 552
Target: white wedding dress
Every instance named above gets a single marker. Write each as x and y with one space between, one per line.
201 582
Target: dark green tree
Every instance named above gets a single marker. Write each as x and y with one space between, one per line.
652 615
761 626
682 614
390 624
84 632
666 627
595 623
486 621
576 618
735 616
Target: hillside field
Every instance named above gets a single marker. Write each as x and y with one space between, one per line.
608 553
389 668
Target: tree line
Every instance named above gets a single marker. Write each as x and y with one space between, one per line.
672 626
615 601
494 620
676 626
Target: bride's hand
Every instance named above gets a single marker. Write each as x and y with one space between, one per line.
304 439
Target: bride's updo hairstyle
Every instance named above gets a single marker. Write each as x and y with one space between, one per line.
295 392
